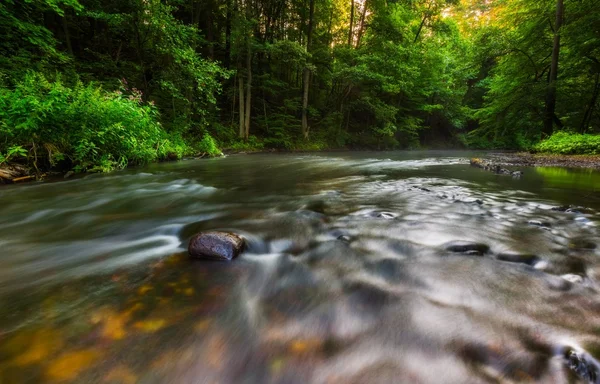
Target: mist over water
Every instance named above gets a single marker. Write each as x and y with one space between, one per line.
360 268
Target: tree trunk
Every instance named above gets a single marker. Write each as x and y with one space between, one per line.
329 26
228 36
590 109
248 98
549 116
141 58
196 13
306 72
361 28
65 26
248 75
420 29
351 24
242 130
210 34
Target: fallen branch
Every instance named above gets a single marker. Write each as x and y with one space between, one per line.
22 178
13 172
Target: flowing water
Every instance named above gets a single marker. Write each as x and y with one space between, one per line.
352 273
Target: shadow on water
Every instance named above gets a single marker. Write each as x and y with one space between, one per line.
360 268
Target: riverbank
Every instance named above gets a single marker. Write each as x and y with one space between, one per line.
15 173
525 159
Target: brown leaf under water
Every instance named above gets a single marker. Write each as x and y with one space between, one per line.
69 365
113 323
37 346
202 325
122 375
215 351
144 288
151 325
305 346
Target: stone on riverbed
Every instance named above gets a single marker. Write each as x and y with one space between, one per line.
573 209
493 167
539 223
518 258
467 247
222 246
582 244
584 365
572 278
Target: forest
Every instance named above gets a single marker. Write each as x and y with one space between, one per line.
91 85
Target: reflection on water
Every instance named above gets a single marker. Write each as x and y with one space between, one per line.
360 268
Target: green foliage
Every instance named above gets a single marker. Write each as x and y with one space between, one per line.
15 151
566 143
209 146
80 126
513 49
252 144
401 75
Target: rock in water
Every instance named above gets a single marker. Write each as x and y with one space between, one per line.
572 278
466 247
492 167
223 246
583 365
518 258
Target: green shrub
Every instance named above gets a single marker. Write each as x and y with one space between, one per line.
252 144
82 126
209 146
570 144
315 143
13 152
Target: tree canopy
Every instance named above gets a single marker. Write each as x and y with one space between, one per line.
292 74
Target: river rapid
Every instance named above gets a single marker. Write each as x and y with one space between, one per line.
364 267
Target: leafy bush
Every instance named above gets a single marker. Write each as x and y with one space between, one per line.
570 144
314 144
82 127
252 144
486 139
12 152
209 146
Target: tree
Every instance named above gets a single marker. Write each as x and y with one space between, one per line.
306 73
550 116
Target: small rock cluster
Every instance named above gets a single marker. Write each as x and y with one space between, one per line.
489 166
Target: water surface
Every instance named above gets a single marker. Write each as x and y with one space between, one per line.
349 276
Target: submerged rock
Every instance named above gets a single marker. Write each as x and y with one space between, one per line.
386 215
583 365
539 223
467 247
344 238
572 278
223 246
582 244
573 209
319 206
518 258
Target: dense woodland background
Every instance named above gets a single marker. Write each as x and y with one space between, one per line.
100 84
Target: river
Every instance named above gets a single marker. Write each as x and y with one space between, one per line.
360 267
